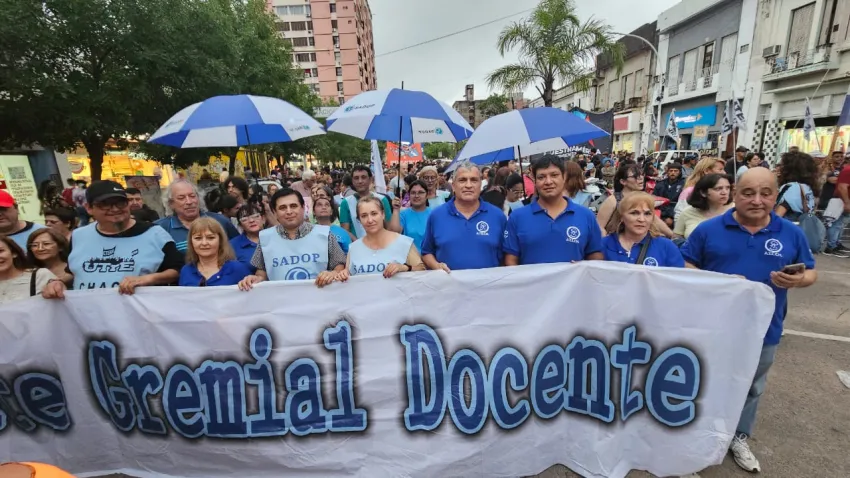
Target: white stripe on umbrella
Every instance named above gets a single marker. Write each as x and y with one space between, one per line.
175 122
211 137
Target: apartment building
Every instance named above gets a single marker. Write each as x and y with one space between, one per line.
471 111
704 49
628 92
801 51
332 44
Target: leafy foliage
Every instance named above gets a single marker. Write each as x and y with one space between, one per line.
555 47
90 71
495 104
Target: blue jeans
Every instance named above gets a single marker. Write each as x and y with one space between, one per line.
751 405
833 232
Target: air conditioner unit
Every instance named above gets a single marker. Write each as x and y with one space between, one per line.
771 51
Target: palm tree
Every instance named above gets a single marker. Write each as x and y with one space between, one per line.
555 46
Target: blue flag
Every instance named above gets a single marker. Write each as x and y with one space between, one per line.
844 119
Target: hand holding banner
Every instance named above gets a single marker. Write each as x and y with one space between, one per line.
188 382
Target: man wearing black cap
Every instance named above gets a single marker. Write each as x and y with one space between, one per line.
670 188
740 158
116 251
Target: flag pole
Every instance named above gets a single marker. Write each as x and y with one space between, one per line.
400 123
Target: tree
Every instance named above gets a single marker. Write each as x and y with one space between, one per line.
555 47
336 147
439 150
495 104
94 70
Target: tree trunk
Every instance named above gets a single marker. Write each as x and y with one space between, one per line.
95 145
231 168
548 91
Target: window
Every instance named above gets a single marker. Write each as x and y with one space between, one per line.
315 87
336 41
334 24
307 73
302 57
298 26
296 9
339 86
338 71
311 41
707 55
302 41
333 8
315 72
309 25
282 26
337 56
281 10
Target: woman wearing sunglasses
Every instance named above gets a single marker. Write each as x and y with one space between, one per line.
210 260
628 180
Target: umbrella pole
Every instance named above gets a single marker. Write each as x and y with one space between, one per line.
400 129
521 174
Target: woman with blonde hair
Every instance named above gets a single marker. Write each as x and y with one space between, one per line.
704 167
637 241
431 178
380 251
210 261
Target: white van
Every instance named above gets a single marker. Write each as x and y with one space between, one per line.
664 157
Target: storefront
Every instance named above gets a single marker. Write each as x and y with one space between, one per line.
821 140
699 125
627 132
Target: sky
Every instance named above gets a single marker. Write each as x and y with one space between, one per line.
444 67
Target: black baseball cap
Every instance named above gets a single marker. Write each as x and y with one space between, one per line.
101 190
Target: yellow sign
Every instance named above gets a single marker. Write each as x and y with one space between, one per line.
16 179
700 133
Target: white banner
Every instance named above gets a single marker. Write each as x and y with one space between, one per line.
503 372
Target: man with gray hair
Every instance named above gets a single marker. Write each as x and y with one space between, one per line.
464 233
186 204
305 186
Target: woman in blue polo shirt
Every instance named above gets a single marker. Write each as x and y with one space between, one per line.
210 260
252 220
634 241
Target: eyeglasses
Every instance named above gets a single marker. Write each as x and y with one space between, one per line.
252 217
639 176
118 203
42 245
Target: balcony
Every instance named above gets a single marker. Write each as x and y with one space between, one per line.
699 83
799 63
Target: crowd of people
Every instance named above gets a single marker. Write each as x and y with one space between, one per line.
328 226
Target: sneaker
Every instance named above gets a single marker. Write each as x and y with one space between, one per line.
742 454
841 248
835 252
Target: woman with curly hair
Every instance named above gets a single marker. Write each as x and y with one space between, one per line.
799 177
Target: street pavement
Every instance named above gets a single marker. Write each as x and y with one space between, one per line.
803 426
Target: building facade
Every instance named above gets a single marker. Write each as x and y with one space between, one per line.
332 44
704 49
628 91
470 108
801 51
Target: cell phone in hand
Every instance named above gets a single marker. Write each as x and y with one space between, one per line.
794 269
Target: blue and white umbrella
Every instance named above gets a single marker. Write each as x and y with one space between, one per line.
526 132
399 115
232 121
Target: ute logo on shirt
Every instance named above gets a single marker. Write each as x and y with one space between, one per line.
651 262
773 247
483 228
573 234
109 263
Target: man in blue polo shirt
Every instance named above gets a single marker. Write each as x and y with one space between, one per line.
185 201
464 233
553 228
753 242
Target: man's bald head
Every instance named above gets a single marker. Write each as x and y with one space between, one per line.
755 196
759 176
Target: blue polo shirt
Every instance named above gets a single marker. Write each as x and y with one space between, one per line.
660 253
342 237
461 243
180 234
230 274
722 245
244 249
535 238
